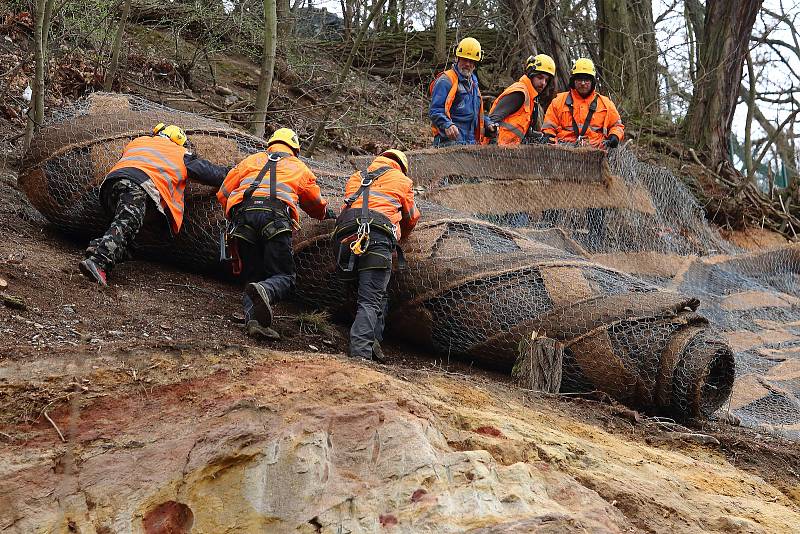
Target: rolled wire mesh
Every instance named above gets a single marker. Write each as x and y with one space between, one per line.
598 253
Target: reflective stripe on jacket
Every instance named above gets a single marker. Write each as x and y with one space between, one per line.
296 184
436 106
512 129
162 161
605 121
391 195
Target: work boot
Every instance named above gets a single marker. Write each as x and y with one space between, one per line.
262 311
256 330
377 352
93 272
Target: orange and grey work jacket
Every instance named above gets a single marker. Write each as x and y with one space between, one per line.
512 129
165 165
391 194
566 117
296 184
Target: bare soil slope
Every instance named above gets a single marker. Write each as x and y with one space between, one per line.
145 405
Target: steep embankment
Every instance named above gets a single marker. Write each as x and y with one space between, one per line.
172 417
264 441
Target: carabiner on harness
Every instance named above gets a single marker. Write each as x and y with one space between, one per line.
361 243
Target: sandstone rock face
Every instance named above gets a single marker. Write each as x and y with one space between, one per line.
309 444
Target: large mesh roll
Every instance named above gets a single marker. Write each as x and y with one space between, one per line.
598 253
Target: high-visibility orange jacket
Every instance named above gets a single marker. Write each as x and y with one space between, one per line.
163 162
604 122
512 129
296 184
452 76
391 194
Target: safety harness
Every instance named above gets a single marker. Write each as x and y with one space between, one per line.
355 231
228 247
579 135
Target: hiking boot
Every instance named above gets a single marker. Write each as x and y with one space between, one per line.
262 311
93 272
256 330
377 352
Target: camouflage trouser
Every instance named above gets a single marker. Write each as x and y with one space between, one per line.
128 200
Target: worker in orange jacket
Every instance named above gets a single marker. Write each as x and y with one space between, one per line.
261 197
152 173
516 111
581 115
378 211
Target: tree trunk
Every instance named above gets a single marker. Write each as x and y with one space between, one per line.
539 364
36 109
393 15
48 14
536 29
347 11
267 67
628 54
441 33
376 8
285 21
695 14
748 123
726 35
117 46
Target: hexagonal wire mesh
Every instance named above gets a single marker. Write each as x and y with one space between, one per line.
596 253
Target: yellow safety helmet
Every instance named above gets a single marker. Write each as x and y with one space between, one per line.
286 136
398 156
540 63
171 132
583 65
469 48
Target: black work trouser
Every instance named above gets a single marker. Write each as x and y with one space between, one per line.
371 274
264 240
371 309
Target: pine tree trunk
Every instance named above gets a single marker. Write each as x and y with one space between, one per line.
116 47
726 35
267 67
441 33
628 54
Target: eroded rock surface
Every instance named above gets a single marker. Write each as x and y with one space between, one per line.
308 443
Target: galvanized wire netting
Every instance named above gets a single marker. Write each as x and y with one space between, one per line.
611 257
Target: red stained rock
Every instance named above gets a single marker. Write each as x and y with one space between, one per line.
388 520
169 518
489 431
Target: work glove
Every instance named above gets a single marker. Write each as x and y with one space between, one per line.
611 142
490 131
329 213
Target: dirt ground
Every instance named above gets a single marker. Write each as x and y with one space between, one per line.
63 338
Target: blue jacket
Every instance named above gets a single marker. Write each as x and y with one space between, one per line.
464 111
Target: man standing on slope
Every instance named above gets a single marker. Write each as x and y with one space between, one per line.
378 211
152 172
260 197
456 109
581 115
516 111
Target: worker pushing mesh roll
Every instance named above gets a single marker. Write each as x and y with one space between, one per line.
488 264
